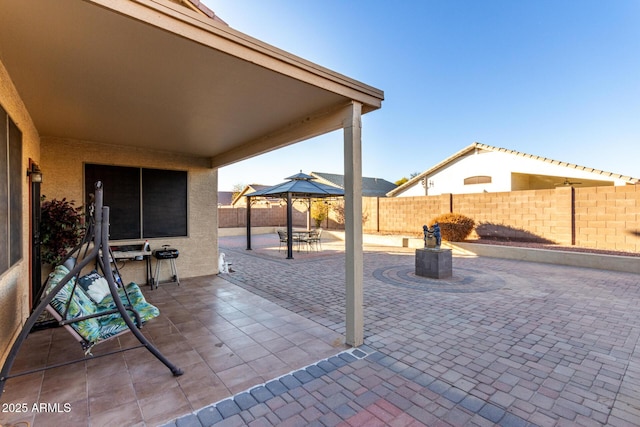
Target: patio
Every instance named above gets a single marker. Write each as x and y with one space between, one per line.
224 338
501 343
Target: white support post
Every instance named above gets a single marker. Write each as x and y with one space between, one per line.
354 265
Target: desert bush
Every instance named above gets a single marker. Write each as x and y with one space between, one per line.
454 227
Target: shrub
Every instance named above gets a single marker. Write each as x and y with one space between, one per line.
319 211
60 229
454 227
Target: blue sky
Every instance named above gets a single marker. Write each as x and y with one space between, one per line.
557 78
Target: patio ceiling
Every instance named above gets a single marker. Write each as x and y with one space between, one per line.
155 75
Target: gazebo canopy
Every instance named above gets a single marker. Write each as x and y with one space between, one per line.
298 186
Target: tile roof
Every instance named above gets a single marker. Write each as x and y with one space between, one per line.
225 198
371 187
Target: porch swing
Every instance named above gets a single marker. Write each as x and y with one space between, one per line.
94 308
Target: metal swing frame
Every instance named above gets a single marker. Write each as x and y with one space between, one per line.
98 234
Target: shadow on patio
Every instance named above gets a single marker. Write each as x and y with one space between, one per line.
226 340
267 246
503 342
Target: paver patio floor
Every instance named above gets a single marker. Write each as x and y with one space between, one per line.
500 343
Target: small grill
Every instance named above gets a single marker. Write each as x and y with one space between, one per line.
166 253
170 254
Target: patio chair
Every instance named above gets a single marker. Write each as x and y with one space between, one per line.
296 239
282 235
314 239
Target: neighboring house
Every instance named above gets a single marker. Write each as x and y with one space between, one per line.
482 168
152 97
225 198
371 187
240 200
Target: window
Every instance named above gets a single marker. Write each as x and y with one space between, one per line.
10 192
480 179
143 203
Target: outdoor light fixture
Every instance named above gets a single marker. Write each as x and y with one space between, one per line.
427 184
35 173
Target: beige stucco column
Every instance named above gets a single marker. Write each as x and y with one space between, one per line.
353 225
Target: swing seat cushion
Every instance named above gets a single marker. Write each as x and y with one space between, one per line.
99 328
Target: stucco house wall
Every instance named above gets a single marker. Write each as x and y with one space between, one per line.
63 165
508 171
14 283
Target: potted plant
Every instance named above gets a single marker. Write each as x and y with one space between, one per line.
61 229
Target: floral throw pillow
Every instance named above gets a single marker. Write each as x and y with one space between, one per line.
95 286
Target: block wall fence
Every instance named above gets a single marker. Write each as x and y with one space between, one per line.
268 216
596 217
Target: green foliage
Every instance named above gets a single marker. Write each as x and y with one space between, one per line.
405 179
61 228
454 227
319 211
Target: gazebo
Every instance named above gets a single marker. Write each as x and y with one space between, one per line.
298 186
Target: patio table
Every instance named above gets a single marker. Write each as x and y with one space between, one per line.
301 236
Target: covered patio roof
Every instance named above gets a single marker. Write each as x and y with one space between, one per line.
157 75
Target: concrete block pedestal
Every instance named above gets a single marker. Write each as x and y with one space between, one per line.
434 263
